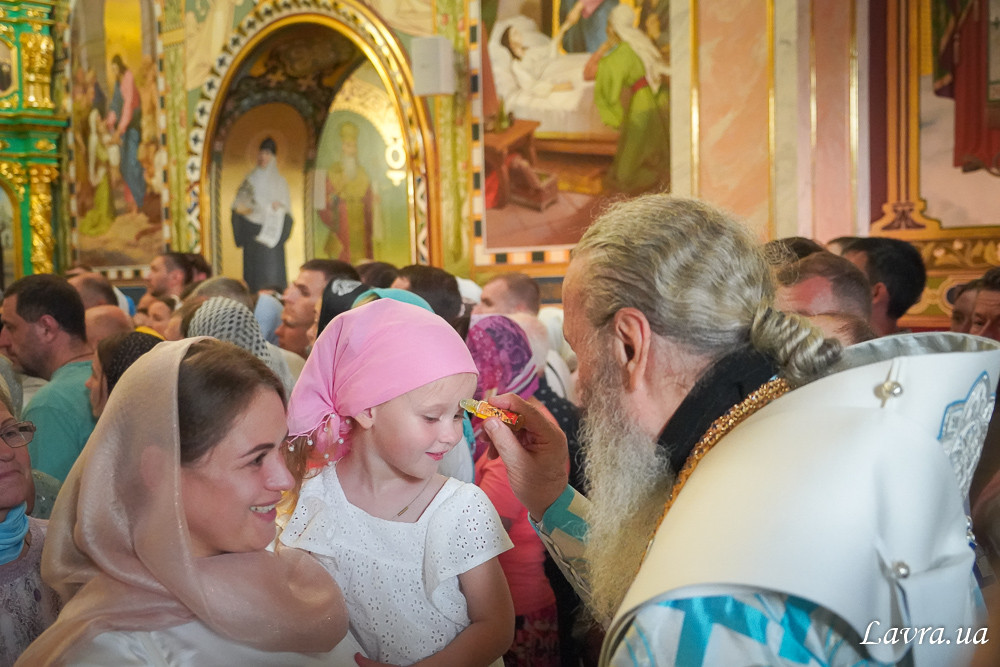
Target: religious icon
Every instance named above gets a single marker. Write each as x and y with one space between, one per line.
582 88
350 202
7 76
262 221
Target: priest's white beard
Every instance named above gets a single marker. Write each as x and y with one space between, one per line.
629 480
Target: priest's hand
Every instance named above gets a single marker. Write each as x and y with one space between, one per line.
536 456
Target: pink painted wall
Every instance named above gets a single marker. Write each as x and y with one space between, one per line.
734 170
833 198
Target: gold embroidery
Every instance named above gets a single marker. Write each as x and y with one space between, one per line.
721 427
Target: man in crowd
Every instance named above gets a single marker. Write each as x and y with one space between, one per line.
104 321
438 288
830 291
301 297
986 312
509 293
94 289
896 274
169 273
44 330
756 455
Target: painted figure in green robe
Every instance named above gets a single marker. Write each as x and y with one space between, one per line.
631 94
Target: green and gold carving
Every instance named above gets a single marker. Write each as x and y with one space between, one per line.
31 128
36 68
13 173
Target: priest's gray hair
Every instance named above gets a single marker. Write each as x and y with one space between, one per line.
700 279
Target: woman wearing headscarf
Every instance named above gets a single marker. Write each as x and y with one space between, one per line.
504 358
158 539
229 320
631 94
262 221
343 295
28 605
114 356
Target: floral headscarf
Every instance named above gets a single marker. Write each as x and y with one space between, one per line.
502 354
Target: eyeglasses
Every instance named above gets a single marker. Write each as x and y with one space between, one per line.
17 434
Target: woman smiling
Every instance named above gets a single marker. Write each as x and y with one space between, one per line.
29 606
159 536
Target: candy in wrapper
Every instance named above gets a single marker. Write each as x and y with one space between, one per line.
484 410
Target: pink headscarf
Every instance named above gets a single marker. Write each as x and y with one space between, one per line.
365 357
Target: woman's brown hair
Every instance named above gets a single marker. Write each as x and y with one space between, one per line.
215 382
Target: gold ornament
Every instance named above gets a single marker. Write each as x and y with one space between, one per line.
36 64
40 216
736 415
14 174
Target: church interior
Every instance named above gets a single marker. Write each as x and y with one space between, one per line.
485 332
803 118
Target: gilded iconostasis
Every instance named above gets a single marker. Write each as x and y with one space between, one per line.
134 125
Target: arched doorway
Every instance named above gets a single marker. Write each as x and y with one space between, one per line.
309 61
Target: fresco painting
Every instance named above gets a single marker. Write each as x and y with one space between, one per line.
582 115
118 162
360 191
960 113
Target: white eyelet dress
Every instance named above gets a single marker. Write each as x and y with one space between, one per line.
400 580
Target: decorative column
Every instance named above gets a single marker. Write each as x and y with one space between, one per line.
32 130
42 241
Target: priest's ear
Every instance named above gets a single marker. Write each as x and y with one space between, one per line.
631 344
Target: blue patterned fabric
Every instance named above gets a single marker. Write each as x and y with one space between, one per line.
751 629
754 628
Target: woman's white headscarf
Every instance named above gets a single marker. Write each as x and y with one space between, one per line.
229 320
622 21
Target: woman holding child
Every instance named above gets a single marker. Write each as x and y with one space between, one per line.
158 538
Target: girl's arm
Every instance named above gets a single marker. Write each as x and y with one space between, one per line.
491 630
491 612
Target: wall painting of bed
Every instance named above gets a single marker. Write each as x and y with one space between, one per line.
576 107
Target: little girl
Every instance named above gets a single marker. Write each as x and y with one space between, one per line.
414 552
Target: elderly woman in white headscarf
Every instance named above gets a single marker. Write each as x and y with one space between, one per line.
229 320
158 539
262 221
631 93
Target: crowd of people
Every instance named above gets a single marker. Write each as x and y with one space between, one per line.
705 465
